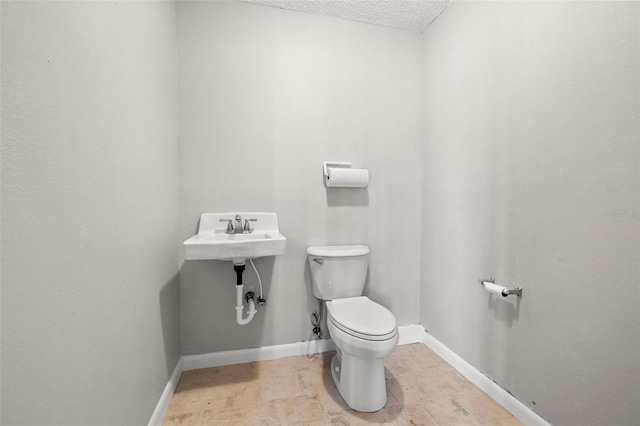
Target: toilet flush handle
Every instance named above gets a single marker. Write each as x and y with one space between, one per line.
318 261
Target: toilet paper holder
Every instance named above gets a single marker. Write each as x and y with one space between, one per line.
505 291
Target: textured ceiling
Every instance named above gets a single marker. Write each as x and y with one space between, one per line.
412 15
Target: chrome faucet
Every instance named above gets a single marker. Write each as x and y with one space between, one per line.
238 226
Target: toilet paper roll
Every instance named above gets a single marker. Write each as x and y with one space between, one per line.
494 288
347 178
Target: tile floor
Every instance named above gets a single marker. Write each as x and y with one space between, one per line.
422 389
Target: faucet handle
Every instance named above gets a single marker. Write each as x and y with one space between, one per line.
247 226
229 224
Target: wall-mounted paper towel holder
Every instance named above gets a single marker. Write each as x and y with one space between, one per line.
339 174
327 164
491 286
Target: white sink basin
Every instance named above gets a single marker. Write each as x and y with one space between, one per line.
213 242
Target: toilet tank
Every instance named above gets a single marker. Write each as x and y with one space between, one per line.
338 271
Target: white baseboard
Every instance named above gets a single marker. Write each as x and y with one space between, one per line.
488 386
167 394
408 334
240 356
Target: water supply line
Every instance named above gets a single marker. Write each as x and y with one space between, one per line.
261 300
316 321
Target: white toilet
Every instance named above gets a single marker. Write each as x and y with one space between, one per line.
363 331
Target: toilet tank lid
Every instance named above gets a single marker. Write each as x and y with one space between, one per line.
338 251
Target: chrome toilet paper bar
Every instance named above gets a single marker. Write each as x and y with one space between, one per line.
491 286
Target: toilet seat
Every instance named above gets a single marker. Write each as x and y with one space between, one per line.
368 337
362 318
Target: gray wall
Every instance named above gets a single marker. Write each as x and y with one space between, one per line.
530 175
266 96
90 247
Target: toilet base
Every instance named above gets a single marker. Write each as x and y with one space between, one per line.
360 381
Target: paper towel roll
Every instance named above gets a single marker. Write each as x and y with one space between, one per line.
347 178
494 288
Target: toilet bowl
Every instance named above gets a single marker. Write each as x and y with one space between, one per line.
358 366
364 331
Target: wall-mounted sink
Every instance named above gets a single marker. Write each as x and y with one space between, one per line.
214 242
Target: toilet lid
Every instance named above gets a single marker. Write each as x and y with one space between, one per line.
363 316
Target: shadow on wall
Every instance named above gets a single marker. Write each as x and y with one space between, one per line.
208 296
169 299
505 309
347 197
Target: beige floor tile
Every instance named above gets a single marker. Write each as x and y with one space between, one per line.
428 384
509 421
437 382
263 369
460 381
411 414
195 379
302 410
334 421
280 387
229 396
421 390
225 416
288 366
269 412
481 406
190 401
183 419
428 359
213 398
407 348
252 391
231 374
401 363
379 417
447 411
